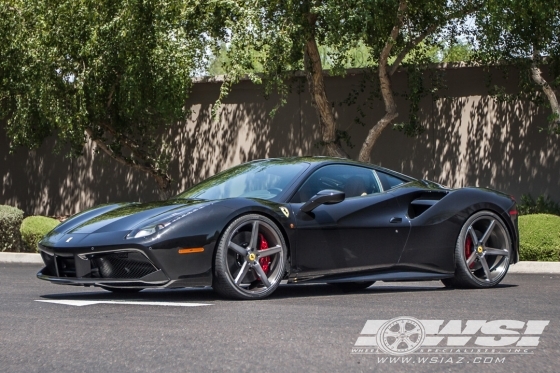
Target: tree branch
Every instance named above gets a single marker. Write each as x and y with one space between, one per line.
129 144
414 43
385 86
547 89
163 180
318 93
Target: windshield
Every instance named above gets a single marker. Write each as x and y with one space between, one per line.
263 179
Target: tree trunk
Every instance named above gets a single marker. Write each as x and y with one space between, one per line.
549 92
162 179
319 98
386 91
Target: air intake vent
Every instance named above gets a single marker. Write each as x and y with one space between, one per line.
123 265
422 203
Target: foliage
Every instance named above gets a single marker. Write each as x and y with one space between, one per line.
539 237
410 34
112 71
543 205
461 51
275 38
10 221
10 53
33 229
356 57
266 37
523 33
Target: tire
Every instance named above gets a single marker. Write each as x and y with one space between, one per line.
250 258
482 252
122 290
349 287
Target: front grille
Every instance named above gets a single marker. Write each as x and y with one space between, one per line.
66 266
117 265
50 267
122 265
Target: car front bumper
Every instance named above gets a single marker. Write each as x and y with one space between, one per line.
114 268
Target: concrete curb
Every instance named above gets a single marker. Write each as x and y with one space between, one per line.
20 258
521 267
535 267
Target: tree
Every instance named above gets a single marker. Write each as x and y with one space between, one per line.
279 38
397 31
525 34
115 72
289 34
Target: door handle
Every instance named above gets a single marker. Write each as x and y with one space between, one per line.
395 220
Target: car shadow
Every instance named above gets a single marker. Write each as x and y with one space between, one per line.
206 294
317 290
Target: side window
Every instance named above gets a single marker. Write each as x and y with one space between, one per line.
354 181
389 181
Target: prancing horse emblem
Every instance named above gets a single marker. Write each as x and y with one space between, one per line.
285 211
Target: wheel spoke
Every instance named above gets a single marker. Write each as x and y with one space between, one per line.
471 258
254 235
395 344
261 274
407 341
492 251
238 249
416 330
471 232
242 273
485 267
402 326
269 251
390 333
488 232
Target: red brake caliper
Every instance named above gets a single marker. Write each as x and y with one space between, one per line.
264 262
469 249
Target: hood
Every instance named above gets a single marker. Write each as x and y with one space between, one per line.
127 217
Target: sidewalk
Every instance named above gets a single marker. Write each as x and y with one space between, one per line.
521 267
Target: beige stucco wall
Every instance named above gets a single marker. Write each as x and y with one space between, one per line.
470 139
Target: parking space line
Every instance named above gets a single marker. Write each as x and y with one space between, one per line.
80 303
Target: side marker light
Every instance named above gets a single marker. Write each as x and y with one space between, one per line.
191 250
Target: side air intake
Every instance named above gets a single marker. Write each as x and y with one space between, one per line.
421 204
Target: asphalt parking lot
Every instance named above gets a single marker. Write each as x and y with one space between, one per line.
305 328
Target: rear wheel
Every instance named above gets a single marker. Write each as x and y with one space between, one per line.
250 258
482 252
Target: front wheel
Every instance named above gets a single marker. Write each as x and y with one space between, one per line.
482 252
250 259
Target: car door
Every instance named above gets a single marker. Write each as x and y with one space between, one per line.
367 230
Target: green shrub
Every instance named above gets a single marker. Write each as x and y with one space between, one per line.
543 205
10 221
539 237
33 229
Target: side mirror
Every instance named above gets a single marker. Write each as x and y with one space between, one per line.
324 197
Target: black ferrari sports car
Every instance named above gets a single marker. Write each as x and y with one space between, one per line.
303 219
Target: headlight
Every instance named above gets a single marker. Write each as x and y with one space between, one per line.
147 231
155 228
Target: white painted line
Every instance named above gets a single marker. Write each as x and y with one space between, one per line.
80 303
